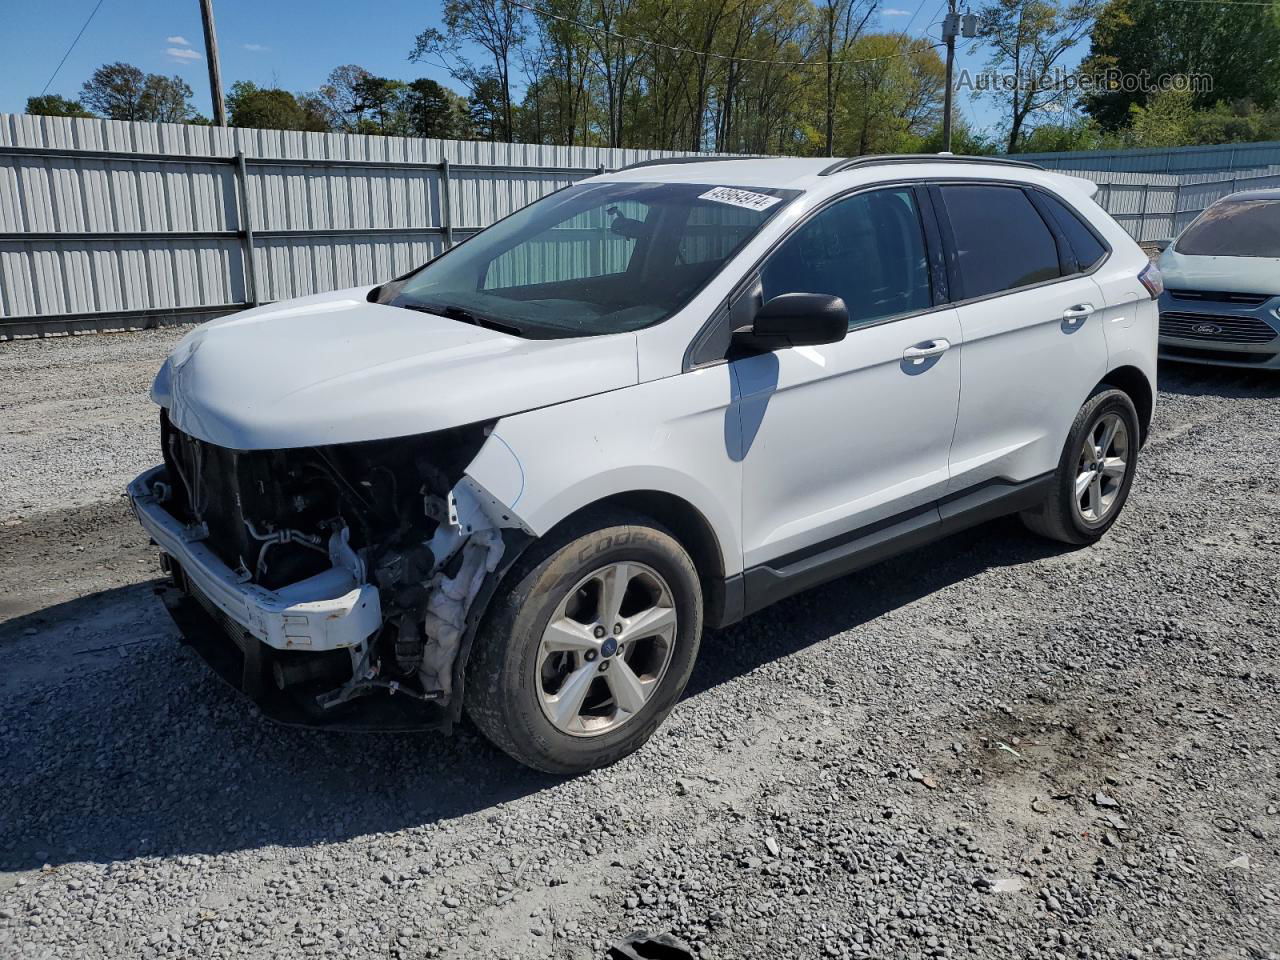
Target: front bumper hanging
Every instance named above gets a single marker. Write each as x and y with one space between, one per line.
246 633
329 611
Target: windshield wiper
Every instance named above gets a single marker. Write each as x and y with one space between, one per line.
463 315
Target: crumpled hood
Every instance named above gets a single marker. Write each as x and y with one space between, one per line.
1225 274
334 368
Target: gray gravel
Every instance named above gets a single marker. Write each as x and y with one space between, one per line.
992 748
75 422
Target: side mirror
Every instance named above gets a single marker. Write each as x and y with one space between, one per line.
1163 245
796 320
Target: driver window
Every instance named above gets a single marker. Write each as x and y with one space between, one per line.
867 249
595 243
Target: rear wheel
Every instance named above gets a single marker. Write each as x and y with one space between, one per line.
1094 473
577 664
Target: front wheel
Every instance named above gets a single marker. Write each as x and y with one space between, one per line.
588 651
1094 473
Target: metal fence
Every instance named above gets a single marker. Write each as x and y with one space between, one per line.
1222 158
1158 206
106 224
1154 193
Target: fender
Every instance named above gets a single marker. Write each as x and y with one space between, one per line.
545 465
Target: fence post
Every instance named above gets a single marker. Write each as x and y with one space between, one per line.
1142 218
446 204
246 231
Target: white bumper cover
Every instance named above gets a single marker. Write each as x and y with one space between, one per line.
329 611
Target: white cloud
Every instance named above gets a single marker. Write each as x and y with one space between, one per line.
179 40
255 47
894 12
182 54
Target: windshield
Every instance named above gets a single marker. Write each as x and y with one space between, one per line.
591 259
1234 228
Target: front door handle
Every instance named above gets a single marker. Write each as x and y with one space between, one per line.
923 351
1074 316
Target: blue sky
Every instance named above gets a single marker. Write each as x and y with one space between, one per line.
289 43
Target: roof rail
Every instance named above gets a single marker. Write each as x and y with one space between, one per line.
695 158
852 163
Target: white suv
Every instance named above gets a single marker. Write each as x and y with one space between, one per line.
530 473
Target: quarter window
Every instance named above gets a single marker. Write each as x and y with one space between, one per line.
1002 242
868 250
1084 244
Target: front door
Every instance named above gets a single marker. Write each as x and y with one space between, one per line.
840 437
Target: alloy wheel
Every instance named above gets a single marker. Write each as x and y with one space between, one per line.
1100 472
606 649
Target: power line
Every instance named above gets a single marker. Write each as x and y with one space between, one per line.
72 47
707 53
1228 3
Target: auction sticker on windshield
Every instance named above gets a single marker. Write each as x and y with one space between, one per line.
740 198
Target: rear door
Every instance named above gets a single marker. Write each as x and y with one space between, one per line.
1032 322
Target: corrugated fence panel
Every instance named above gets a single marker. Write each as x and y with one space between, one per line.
1226 157
477 201
294 267
152 221
76 226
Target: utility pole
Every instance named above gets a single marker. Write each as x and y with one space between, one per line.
950 27
953 25
215 69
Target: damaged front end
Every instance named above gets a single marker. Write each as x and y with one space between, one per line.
336 585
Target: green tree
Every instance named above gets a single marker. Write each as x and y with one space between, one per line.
167 99
123 92
1167 120
340 96
1237 46
840 22
52 105
964 141
378 99
319 115
270 109
486 110
116 90
1171 119
1078 134
1028 40
432 110
892 96
1239 122
497 27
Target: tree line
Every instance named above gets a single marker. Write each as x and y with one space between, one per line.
808 77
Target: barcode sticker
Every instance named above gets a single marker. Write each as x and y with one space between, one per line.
740 198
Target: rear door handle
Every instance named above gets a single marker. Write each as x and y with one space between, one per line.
1074 316
923 351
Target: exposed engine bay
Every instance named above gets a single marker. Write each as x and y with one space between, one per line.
399 514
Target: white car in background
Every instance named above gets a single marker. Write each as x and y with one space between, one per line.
526 476
1221 303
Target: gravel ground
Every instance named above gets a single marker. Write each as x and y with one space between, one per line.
75 422
1011 750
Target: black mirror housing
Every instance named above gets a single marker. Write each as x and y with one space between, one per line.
796 320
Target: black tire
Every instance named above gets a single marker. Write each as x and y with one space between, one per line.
1059 517
502 692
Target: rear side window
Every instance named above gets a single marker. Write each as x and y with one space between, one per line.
1001 240
1088 249
867 249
